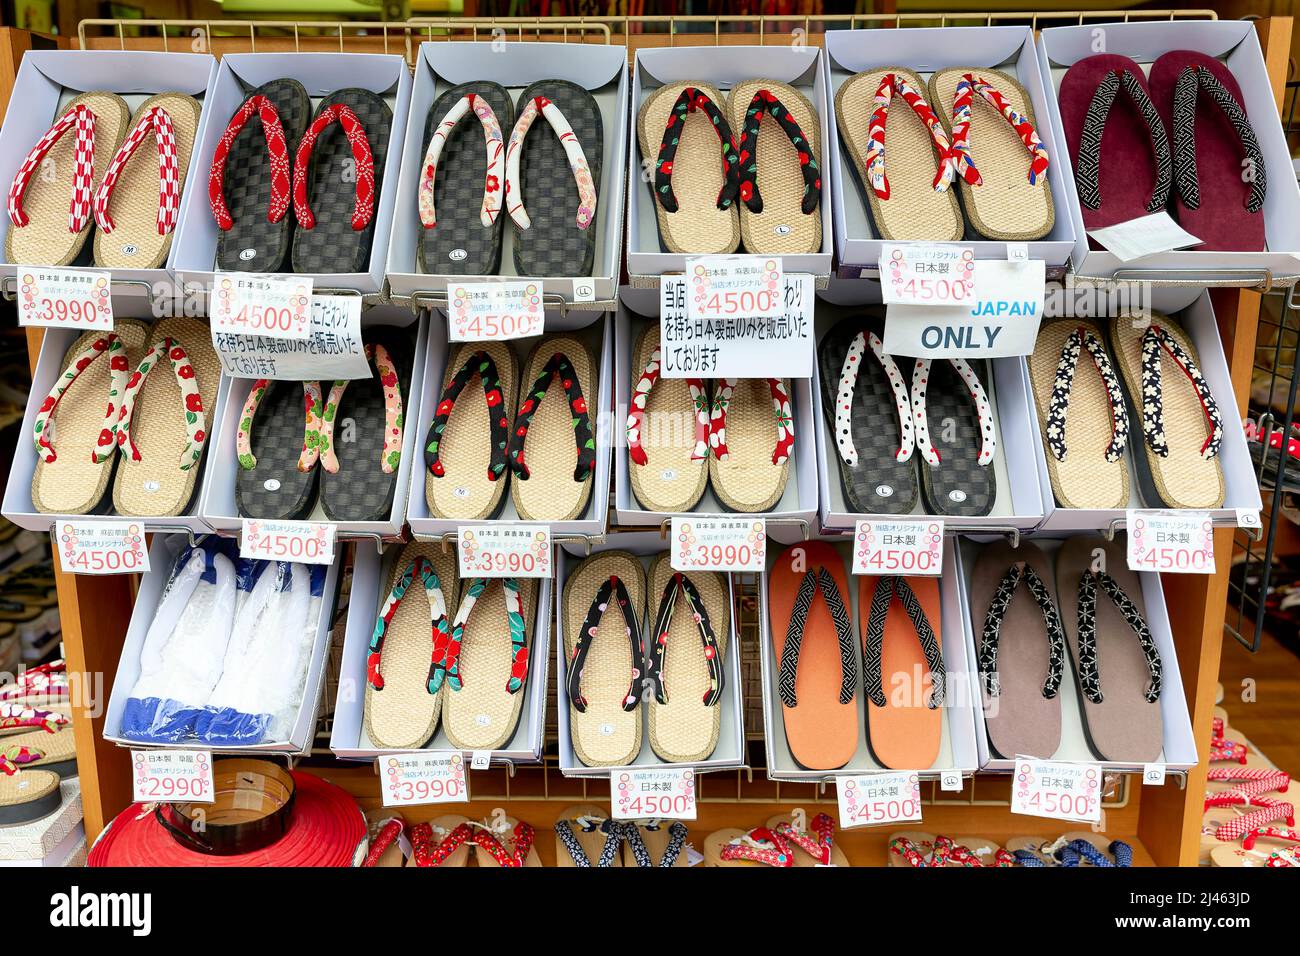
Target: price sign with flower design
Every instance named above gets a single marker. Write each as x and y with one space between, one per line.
431 776
171 776
898 547
873 799
652 793
274 306
732 286
102 546
1179 542
494 311
1057 790
718 544
65 298
505 551
309 542
927 274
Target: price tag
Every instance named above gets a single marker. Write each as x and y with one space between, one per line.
950 781
653 793
1057 790
172 776
718 544
728 287
898 547
927 274
1248 518
1153 775
308 542
494 311
873 799
102 546
274 306
332 348
431 776
65 298
1178 542
505 551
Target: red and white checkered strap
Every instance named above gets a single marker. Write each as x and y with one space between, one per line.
1278 778
1269 812
1268 833
83 118
363 208
276 146
1245 790
921 380
158 121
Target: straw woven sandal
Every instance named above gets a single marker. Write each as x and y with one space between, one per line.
52 750
957 477
26 794
276 479
750 462
585 836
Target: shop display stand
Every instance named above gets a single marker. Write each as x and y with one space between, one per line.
1162 823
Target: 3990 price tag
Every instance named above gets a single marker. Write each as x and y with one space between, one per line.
306 542
95 546
718 544
1172 542
171 776
505 551
878 798
898 547
275 306
1057 790
927 274
721 287
433 776
65 298
652 793
494 311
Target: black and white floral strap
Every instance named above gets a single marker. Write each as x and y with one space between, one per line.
988 659
614 587
1190 81
613 839
1153 420
789 669
631 834
980 399
681 583
1075 343
849 372
1089 675
1087 162
873 646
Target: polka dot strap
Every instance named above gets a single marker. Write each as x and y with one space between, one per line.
1063 387
1245 790
967 87
560 368
391 454
363 206
431 848
312 408
781 411
495 177
873 642
614 587
191 400
81 119
159 122
680 583
1089 673
849 373
1280 779
1154 340
540 105
277 149
636 419
109 345
759 845
980 399
765 101
385 838
688 101
423 568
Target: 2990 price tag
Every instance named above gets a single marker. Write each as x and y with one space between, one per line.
275 306
305 542
92 546
1171 542
505 551
1059 791
728 287
653 793
494 311
65 298
430 777
718 544
898 547
171 776
927 274
879 798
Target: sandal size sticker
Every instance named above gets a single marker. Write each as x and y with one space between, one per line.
652 793
728 287
1170 542
1057 790
106 546
875 799
307 542
505 551
494 311
274 306
65 298
718 544
434 776
898 547
927 274
171 776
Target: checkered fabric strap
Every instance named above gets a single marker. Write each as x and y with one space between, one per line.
636 417
1063 388
813 581
1266 812
192 402
613 831
540 105
980 399
386 372
890 84
1280 779
1088 161
760 845
817 843
109 345
496 159
722 393
363 207
521 842
849 373
1190 82
1154 339
276 146
558 368
431 847
654 658
873 643
967 87
688 101
159 122
311 436
82 118
1089 673
422 568
988 656
765 101
446 652
614 587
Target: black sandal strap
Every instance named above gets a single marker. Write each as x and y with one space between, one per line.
1190 82
1153 419
613 838
988 656
873 645
765 101
690 100
560 367
480 364
1059 404
612 586
631 834
1089 674
1088 161
789 669
654 658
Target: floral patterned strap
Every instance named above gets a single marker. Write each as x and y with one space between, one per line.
781 410
158 121
432 848
496 159
765 101
979 398
363 206
446 653
394 418
962 104
612 586
43 427
849 373
82 118
964 856
277 148
874 641
7 767
988 656
1224 750
1063 387
13 716
480 364
50 680
788 672
631 835
1089 675
190 397
636 418
21 755
422 567
874 161
1088 158
1269 833
654 660
387 834
907 850
558 366
613 839
688 101
819 846
759 845
311 430
947 163
1153 421
572 150
1267 813
521 843
1190 82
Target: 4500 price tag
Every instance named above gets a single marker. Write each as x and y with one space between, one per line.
878 798
307 542
652 793
102 547
920 274
494 311
722 287
278 307
1179 542
898 547
1061 791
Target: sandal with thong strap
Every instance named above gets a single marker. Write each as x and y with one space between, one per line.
750 462
814 846
277 448
26 794
651 844
957 475
490 851
585 836
442 841
760 846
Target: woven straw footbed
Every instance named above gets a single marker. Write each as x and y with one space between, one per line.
605 735
56 747
748 481
913 211
1085 479
698 226
155 486
684 729
670 481
550 493
134 242
45 240
26 786
780 177
73 484
1184 479
1006 206
404 715
483 714
464 491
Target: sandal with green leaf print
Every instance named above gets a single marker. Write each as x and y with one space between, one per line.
275 479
